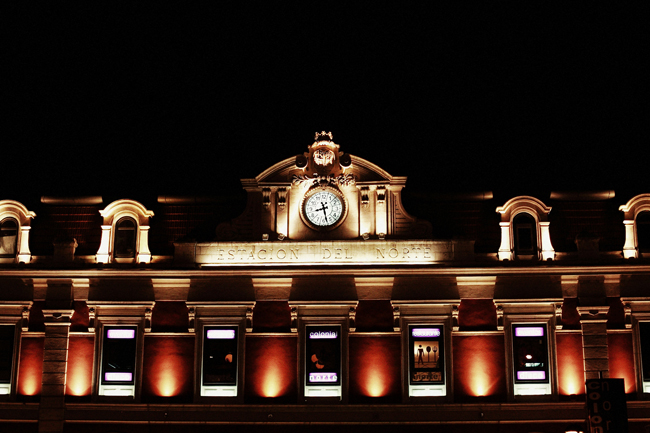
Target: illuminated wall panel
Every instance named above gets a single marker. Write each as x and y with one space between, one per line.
375 369
168 367
479 366
570 365
271 368
30 370
621 359
79 377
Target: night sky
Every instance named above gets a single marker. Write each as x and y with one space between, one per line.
127 101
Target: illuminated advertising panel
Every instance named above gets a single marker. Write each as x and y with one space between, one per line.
219 356
530 353
323 355
118 356
426 355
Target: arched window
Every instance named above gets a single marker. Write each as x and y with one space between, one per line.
525 233
124 243
637 227
125 233
8 238
525 230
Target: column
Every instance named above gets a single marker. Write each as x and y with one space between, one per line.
51 414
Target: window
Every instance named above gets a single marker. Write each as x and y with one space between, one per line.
322 365
118 364
124 244
8 238
644 337
125 233
426 360
525 235
530 359
219 365
637 226
7 343
15 222
525 230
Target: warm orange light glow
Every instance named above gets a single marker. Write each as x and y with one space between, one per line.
479 365
168 366
621 359
270 366
273 372
375 366
570 366
31 366
80 366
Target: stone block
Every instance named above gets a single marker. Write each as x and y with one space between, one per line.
595 352
50 366
594 340
56 344
52 389
53 378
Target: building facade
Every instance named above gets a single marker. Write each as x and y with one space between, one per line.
324 305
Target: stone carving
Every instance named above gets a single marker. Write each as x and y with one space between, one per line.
340 180
323 157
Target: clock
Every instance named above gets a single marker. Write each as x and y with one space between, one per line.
323 208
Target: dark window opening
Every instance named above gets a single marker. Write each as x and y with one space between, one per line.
644 331
643 231
525 233
8 238
118 355
220 356
7 334
125 230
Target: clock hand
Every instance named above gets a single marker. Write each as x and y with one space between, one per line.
324 210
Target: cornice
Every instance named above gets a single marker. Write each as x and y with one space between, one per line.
302 271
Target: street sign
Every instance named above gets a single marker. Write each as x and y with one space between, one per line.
606 405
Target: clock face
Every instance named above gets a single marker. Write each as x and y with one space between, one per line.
323 208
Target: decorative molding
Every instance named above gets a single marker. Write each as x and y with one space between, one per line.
282 199
266 197
316 180
365 197
352 317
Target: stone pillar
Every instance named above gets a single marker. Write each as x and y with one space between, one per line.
629 249
103 254
51 414
594 341
548 252
144 255
505 250
24 255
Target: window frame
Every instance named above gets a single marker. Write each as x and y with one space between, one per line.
635 206
516 390
643 383
238 323
539 212
22 217
112 215
116 230
8 390
324 393
100 389
3 221
437 392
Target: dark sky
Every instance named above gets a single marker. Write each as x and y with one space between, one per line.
122 99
